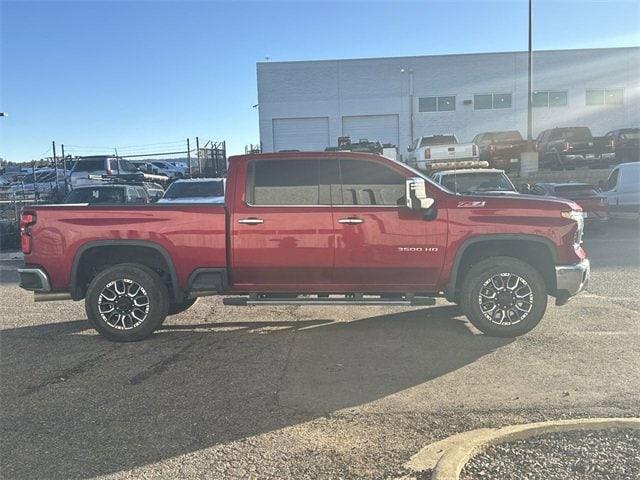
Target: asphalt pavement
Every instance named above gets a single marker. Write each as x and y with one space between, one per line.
302 392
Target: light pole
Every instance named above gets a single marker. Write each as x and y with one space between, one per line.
410 72
529 158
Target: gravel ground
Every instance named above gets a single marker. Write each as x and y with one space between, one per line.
598 455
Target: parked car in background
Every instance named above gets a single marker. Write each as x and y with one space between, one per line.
440 148
565 148
41 186
195 190
402 240
181 166
501 149
626 144
168 169
475 180
622 190
86 167
107 194
594 204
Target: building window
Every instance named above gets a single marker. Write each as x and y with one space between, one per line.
437 104
483 102
549 98
601 96
501 100
487 101
446 104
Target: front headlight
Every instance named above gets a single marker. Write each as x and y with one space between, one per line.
577 217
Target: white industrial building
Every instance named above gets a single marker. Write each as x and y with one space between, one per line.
307 105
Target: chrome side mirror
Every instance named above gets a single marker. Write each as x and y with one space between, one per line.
416 194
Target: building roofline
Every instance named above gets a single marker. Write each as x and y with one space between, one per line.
406 57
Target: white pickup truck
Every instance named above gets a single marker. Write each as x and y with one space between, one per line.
438 149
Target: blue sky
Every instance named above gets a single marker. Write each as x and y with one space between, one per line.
115 74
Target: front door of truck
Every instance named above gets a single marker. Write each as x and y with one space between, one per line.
380 242
281 229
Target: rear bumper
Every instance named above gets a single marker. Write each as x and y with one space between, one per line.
34 280
571 280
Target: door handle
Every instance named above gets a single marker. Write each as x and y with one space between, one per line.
351 220
251 221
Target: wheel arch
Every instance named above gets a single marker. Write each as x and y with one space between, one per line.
126 251
484 246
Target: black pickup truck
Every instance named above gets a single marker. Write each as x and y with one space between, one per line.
564 148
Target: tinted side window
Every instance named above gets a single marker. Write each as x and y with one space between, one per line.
283 182
369 183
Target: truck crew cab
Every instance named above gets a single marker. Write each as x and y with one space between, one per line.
315 227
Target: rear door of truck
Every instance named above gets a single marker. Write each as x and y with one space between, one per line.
281 228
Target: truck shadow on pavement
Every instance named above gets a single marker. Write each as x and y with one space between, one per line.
75 405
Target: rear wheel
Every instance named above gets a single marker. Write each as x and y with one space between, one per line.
503 296
127 302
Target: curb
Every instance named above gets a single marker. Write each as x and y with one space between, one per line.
448 457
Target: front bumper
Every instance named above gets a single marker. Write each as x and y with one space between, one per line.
34 280
571 280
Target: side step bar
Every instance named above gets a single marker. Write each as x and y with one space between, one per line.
356 299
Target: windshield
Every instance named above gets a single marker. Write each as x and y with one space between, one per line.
96 195
578 134
438 140
213 188
507 137
630 134
125 166
92 165
579 190
478 182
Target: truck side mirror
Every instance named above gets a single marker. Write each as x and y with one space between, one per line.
416 194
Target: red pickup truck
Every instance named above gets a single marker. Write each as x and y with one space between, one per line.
310 228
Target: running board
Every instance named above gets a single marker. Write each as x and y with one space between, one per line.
356 299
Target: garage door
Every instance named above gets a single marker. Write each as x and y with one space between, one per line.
306 134
382 128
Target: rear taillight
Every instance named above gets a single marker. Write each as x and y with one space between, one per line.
427 153
27 219
566 147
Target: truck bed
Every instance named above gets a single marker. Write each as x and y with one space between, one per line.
192 235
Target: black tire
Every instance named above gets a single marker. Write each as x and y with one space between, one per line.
495 269
175 308
142 320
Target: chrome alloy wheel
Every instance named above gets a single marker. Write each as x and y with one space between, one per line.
123 304
505 299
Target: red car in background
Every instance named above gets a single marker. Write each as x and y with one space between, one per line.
594 204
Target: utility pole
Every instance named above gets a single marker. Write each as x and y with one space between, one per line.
189 156
64 165
55 164
198 155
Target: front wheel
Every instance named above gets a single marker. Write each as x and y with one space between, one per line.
503 296
127 302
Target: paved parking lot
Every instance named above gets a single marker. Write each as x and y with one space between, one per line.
304 392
